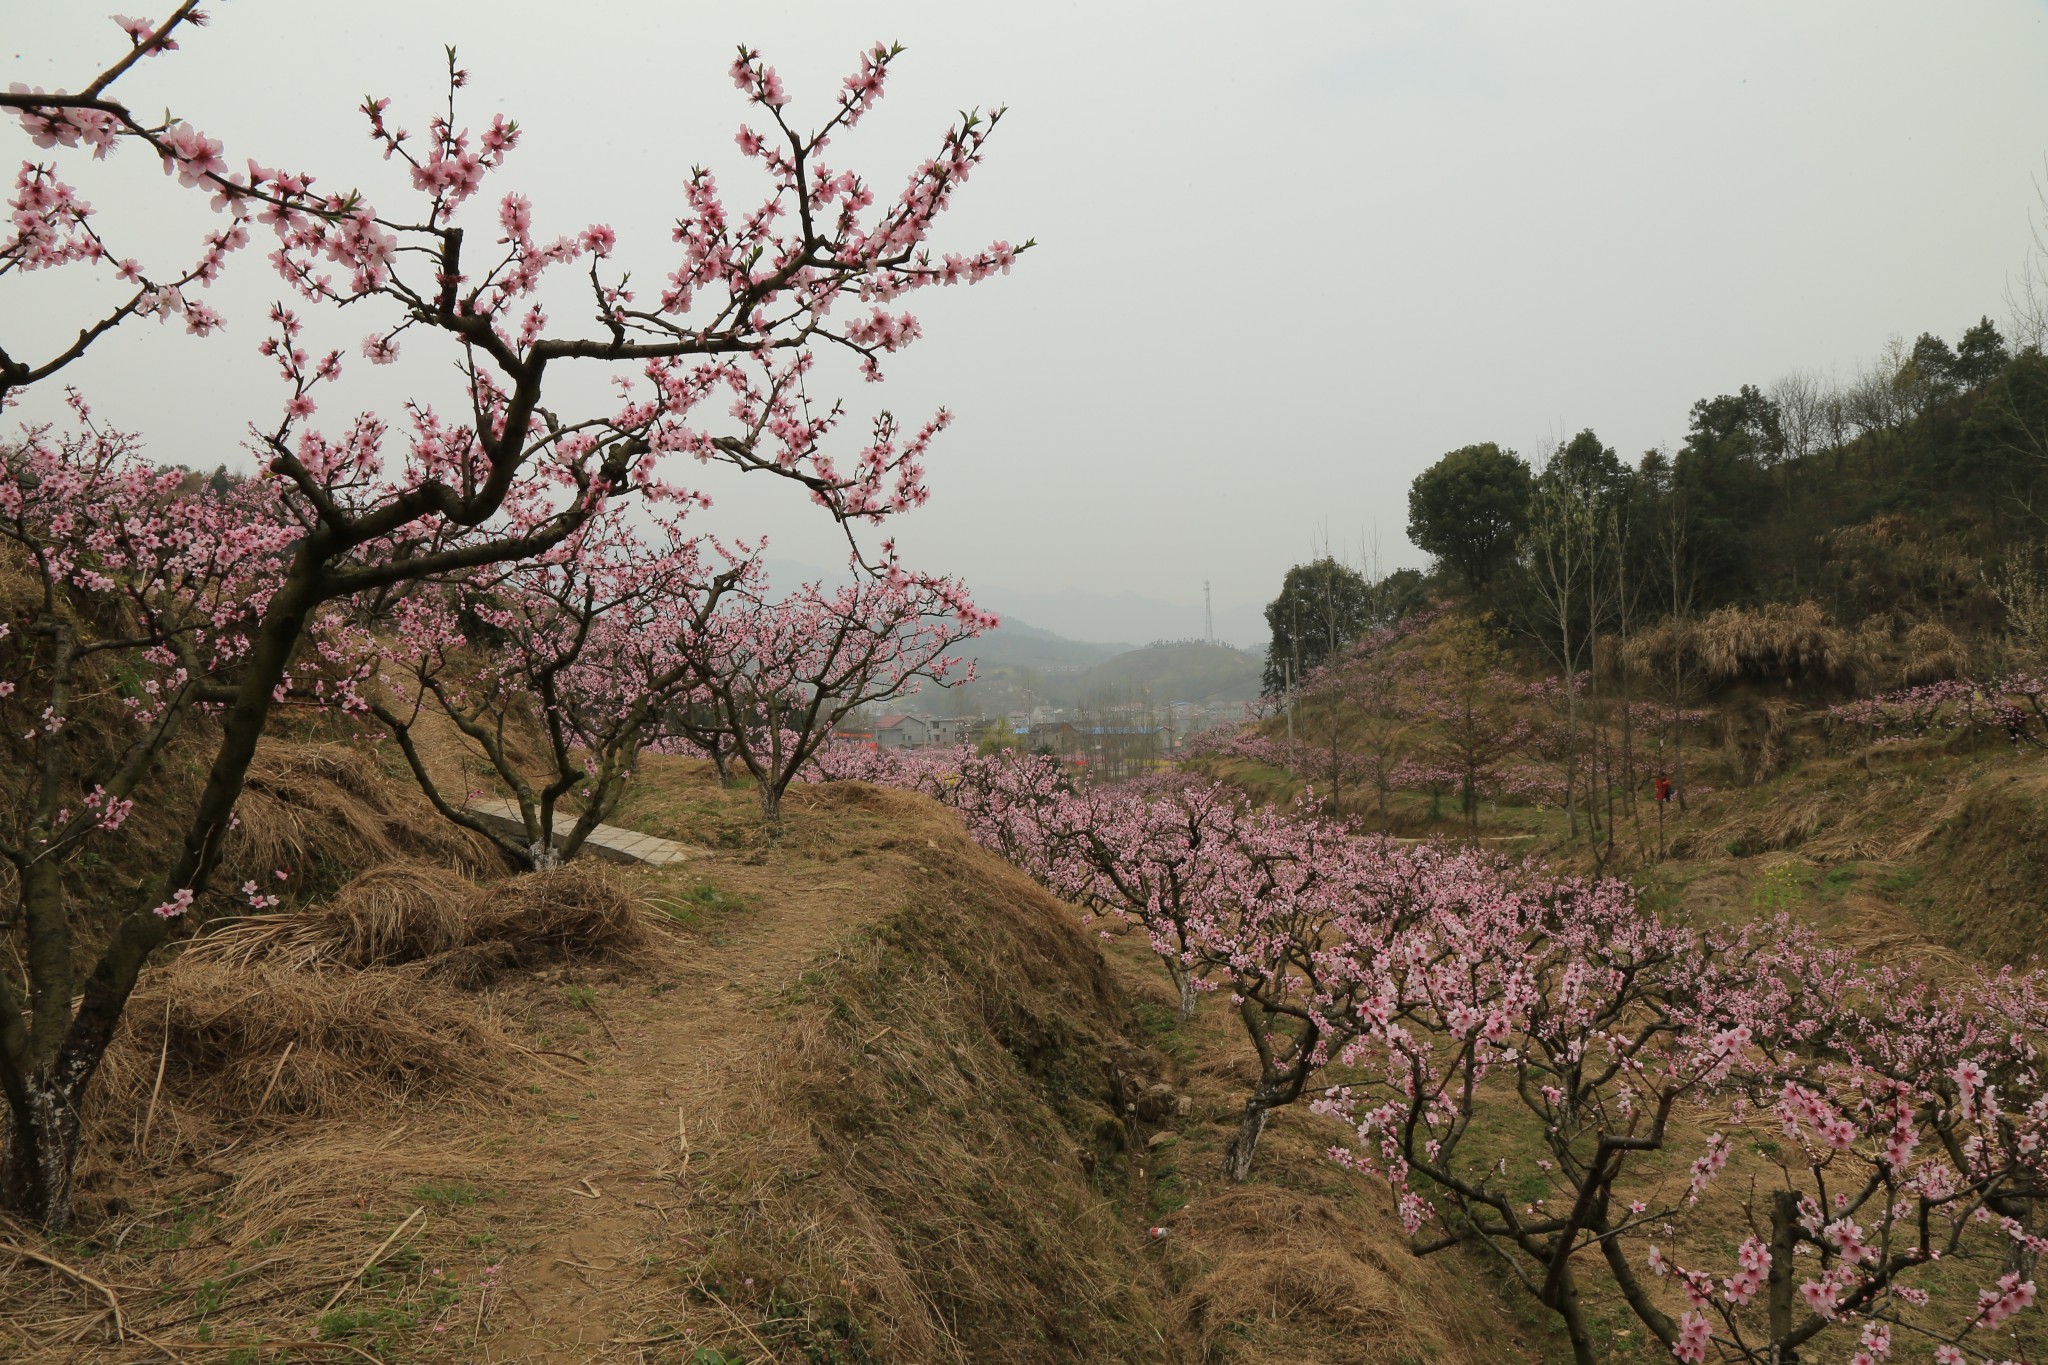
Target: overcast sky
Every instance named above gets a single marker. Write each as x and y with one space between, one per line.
1289 253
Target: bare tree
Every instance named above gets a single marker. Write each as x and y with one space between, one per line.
2021 587
1625 597
2026 294
1837 419
1681 584
1877 403
1801 396
1567 541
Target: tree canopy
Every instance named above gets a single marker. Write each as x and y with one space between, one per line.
1470 508
1323 605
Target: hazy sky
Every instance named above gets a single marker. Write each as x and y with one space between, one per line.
1289 253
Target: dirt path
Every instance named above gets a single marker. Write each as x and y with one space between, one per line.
722 1151
572 1207
601 1184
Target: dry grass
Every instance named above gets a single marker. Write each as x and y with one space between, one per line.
1777 643
578 911
881 1123
415 912
1985 855
400 912
236 1043
950 1075
324 812
1932 653
1279 1255
215 1257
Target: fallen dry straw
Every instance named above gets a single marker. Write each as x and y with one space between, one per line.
1278 1253
310 804
222 1034
568 912
412 912
400 912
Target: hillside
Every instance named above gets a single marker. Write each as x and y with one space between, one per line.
1017 644
1018 666
1174 671
854 1094
1910 848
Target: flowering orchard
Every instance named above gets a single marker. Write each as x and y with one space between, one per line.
2013 708
777 674
1539 1066
158 615
579 648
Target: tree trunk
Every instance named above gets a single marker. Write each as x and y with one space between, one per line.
42 1151
45 1086
1779 1287
1568 1307
1237 1157
1571 738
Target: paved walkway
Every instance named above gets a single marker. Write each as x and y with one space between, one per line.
608 842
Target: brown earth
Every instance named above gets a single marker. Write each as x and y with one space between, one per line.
864 1094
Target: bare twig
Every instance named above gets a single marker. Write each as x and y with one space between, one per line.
375 1256
275 1072
598 1015
163 1057
175 1358
113 1301
538 1053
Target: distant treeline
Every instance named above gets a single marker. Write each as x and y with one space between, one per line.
1912 494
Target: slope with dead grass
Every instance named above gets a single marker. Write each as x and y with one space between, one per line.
856 1092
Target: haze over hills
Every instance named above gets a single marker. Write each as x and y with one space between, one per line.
1082 616
1022 664
1086 615
1017 643
1176 671
1019 667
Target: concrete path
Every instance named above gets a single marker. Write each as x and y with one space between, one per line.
608 842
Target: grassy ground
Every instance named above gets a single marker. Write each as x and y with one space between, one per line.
858 1093
864 1094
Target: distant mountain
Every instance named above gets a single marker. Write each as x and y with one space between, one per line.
1085 615
1074 617
1018 644
1189 670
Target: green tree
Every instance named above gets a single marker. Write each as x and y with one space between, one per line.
999 738
2005 437
1981 355
1723 471
1398 596
1470 508
1323 606
1589 469
1931 372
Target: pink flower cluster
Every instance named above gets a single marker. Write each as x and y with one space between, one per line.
2014 706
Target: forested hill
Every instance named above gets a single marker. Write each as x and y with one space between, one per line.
1177 670
1018 644
1914 492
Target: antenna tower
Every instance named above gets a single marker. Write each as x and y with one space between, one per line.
1208 615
